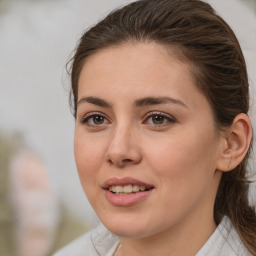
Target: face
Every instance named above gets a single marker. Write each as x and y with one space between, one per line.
146 146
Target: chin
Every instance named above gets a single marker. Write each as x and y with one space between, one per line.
127 226
129 232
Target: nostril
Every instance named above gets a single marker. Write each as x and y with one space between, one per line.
125 161
120 163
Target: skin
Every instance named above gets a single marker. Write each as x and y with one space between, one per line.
180 157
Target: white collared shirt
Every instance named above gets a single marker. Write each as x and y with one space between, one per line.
100 242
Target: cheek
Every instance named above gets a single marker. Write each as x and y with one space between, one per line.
185 175
88 157
184 162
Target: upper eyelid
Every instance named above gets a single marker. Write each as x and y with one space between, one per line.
93 113
149 114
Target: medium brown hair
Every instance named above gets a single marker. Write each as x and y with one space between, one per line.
203 39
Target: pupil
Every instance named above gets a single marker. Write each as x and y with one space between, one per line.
157 119
98 119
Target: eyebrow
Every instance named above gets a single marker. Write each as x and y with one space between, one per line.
96 101
158 100
147 101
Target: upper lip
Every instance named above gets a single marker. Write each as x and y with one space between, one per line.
114 181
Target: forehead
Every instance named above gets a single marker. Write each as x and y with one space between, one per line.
141 68
133 62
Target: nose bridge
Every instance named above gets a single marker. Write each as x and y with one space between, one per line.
121 139
123 145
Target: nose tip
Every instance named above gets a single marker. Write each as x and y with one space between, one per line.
120 161
123 150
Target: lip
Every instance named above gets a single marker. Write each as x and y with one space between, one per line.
128 199
125 181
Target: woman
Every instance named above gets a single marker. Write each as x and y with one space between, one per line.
160 93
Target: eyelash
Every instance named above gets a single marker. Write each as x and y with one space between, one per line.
86 119
167 119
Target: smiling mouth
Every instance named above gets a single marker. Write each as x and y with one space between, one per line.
127 189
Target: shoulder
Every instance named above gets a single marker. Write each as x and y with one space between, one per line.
99 241
233 244
225 241
77 247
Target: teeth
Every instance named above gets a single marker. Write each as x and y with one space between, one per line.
127 189
135 188
142 188
112 188
119 189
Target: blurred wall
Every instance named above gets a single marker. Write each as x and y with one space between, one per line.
36 40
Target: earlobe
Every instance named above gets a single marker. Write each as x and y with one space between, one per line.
236 143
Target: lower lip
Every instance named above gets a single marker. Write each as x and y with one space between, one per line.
126 200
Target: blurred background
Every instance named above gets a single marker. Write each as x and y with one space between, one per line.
42 206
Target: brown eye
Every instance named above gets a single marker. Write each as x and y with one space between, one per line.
94 120
97 119
158 119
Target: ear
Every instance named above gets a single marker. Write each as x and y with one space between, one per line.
236 143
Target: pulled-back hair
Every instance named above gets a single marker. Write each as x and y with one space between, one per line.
197 35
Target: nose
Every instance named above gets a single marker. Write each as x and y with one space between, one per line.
123 148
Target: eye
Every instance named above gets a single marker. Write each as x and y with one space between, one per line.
94 120
158 119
